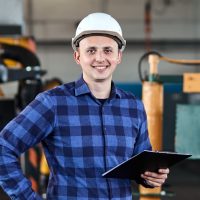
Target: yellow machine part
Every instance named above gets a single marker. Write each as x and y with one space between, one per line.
25 42
191 82
152 96
44 169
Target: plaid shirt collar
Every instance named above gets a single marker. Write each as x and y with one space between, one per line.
81 88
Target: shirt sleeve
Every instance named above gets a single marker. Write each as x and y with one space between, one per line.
33 124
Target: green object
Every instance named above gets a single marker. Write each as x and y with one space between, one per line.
165 78
153 78
187 139
171 78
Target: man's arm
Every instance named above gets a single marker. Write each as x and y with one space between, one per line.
23 132
12 179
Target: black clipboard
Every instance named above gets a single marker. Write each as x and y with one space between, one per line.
145 161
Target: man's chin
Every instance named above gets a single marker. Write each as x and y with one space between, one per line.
101 79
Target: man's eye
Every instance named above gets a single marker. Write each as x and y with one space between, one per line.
108 51
91 51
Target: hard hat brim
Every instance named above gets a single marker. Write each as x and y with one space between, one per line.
98 32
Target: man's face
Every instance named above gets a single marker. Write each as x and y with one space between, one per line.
98 57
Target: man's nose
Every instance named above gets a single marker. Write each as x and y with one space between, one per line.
100 56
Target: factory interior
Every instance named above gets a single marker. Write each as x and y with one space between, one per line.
160 66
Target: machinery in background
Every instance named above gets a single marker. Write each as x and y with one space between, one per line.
152 96
19 62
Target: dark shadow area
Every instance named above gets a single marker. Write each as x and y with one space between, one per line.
183 182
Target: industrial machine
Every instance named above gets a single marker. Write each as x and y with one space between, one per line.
19 63
153 98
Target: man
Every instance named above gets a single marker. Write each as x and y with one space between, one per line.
86 127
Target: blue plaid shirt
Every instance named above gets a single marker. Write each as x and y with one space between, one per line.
81 138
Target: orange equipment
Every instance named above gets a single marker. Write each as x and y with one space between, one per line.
152 96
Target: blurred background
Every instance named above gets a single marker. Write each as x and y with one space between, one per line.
36 54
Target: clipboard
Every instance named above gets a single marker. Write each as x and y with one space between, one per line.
145 161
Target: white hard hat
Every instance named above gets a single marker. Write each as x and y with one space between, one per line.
97 24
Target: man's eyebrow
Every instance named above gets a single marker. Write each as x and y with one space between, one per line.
108 47
92 47
104 48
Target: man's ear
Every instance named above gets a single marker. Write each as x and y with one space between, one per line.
119 57
77 57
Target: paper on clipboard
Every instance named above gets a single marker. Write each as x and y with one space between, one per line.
145 161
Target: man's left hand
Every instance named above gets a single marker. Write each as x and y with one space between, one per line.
155 179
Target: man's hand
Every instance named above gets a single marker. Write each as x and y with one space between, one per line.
155 179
